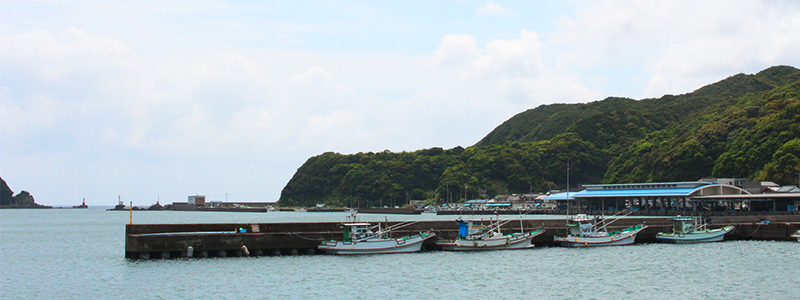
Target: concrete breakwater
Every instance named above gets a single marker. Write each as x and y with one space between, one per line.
256 239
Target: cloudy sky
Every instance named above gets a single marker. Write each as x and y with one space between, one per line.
165 99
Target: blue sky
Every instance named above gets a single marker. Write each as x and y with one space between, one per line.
165 99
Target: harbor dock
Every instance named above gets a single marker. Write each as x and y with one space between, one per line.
143 241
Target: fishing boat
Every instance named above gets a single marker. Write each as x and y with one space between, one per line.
585 231
473 235
359 238
797 235
690 230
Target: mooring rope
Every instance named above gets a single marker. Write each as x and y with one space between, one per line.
749 235
306 238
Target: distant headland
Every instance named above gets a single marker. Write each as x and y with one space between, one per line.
22 200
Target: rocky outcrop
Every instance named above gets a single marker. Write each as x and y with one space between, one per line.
22 200
6 195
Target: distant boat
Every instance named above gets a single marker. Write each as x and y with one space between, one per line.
473 235
585 231
358 238
797 235
689 230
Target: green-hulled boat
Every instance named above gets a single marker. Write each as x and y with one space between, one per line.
688 230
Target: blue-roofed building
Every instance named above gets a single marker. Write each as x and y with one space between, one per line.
655 195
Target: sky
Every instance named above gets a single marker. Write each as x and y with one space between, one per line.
150 101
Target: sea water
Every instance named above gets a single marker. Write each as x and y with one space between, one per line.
79 254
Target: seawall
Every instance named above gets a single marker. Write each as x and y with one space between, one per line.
237 239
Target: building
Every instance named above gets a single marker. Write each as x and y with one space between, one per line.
197 200
781 189
693 195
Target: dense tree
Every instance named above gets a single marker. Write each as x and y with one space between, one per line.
746 126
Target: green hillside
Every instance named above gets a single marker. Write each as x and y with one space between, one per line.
745 126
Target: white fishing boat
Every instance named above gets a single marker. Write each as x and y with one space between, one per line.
689 230
473 235
797 235
585 231
359 238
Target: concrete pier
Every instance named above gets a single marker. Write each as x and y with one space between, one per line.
227 240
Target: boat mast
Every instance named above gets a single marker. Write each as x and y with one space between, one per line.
568 188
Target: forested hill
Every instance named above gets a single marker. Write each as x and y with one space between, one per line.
746 126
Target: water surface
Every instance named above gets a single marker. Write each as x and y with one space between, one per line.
78 254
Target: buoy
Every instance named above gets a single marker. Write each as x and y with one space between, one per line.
244 249
189 251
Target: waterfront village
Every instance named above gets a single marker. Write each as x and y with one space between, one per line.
707 194
707 210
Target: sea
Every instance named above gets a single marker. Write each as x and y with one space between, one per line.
79 254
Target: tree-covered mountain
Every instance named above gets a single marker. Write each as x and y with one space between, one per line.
746 126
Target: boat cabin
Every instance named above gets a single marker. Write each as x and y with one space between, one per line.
683 225
582 225
470 228
356 231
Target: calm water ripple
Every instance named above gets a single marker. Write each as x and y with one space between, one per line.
78 254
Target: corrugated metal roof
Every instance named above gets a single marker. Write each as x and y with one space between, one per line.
677 192
644 192
559 196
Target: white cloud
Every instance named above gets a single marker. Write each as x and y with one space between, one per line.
37 110
503 58
527 92
680 49
454 49
494 9
505 76
749 46
328 127
319 81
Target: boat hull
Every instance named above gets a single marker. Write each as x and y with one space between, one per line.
705 236
377 246
509 242
797 235
618 239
